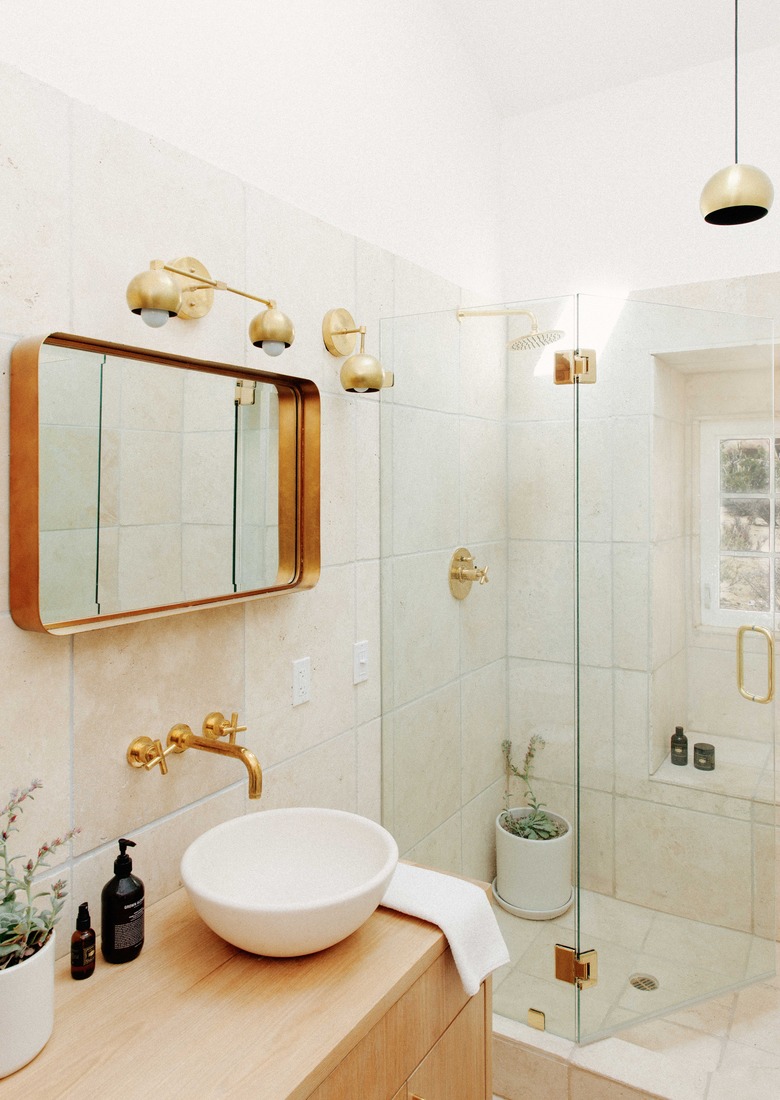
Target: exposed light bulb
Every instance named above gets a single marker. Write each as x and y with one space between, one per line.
272 347
154 318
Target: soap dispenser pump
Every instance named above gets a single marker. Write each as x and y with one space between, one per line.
122 906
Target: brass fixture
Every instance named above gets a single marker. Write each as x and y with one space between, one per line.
738 193
146 753
575 366
529 340
361 373
770 670
464 572
184 288
143 752
536 1019
576 968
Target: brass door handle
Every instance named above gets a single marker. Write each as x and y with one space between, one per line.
770 671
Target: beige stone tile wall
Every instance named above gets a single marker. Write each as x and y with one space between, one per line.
88 202
444 479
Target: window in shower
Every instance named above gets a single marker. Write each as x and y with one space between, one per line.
740 482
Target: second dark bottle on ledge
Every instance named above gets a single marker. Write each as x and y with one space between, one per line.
679 746
122 907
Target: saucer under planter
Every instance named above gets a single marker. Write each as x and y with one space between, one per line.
533 877
26 1008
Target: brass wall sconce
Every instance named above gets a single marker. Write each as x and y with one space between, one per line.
360 373
184 288
144 752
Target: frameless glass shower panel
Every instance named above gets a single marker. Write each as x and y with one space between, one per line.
676 551
478 454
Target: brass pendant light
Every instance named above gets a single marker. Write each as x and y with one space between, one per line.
738 193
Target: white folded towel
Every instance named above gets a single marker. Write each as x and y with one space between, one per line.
463 913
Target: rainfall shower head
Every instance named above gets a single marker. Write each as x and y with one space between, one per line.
527 342
535 338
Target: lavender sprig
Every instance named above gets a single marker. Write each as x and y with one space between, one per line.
24 926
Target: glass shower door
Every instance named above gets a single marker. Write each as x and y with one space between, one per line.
675 552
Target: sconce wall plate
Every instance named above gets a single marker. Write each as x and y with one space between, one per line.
339 332
195 302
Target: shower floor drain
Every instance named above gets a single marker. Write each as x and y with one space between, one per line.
646 982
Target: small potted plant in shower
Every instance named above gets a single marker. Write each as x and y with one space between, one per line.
27 919
533 847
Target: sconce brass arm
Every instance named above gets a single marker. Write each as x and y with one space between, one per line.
216 284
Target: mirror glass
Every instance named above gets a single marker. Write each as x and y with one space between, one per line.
164 483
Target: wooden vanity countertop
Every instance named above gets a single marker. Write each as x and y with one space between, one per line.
193 1016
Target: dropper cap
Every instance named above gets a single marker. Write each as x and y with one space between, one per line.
83 920
123 864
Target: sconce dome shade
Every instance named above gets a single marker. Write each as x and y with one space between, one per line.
273 326
736 194
154 289
362 373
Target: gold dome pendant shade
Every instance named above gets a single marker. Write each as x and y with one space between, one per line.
736 194
739 193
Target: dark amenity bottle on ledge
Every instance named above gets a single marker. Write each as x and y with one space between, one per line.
679 746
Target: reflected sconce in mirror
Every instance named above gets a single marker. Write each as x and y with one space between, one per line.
144 483
360 373
184 288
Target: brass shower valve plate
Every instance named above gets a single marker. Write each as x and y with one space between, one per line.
463 573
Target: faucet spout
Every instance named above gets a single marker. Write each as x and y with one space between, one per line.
182 738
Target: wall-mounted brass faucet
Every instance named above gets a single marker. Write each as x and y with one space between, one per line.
144 752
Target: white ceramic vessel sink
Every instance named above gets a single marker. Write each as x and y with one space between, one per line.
289 882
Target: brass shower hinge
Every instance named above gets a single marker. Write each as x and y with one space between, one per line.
536 1019
245 391
580 969
571 365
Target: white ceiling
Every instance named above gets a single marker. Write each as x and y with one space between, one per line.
533 53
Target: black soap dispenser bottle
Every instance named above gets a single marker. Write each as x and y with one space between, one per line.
679 747
122 906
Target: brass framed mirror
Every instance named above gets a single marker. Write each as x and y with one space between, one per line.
145 483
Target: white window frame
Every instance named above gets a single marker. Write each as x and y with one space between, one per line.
712 432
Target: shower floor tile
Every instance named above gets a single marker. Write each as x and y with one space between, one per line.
717 1048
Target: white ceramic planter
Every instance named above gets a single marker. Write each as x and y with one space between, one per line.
26 1009
533 877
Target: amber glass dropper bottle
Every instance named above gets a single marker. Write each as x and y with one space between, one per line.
82 946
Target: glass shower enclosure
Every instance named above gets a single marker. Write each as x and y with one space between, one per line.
620 483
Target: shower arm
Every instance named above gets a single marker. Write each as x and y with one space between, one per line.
500 313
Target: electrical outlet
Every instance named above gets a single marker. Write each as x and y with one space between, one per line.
359 662
301 681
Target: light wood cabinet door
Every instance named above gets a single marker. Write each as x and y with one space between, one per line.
455 1068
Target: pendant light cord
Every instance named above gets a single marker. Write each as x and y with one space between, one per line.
736 70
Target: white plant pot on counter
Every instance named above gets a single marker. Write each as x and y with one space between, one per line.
26 1008
533 877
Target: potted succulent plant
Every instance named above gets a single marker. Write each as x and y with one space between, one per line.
26 942
533 848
